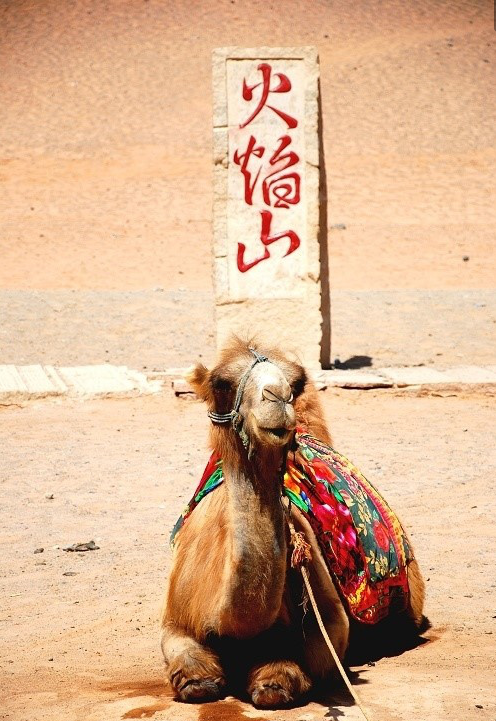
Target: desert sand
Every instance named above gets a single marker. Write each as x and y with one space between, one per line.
105 129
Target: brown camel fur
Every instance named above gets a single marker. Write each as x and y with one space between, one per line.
233 604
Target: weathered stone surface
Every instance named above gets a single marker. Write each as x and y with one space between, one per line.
10 380
356 379
266 196
470 374
23 383
30 381
106 380
413 376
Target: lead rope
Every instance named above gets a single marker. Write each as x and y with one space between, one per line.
302 554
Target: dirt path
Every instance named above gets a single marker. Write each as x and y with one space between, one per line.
84 647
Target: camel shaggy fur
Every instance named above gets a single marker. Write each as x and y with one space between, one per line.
233 609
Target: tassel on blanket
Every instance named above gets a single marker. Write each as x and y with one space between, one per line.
301 549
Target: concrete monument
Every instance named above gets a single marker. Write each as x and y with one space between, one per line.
268 244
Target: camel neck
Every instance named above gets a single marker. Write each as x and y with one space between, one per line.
257 547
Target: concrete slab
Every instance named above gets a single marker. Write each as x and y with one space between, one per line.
10 380
55 378
356 379
31 381
412 376
21 383
42 380
470 375
104 380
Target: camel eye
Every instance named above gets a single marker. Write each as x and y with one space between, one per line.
298 385
221 384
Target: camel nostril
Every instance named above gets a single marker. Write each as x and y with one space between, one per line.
277 393
270 395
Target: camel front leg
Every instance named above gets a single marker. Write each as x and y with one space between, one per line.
194 671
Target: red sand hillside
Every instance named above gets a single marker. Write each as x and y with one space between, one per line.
105 131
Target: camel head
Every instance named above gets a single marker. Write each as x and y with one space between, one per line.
252 391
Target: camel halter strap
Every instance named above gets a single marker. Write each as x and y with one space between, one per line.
233 416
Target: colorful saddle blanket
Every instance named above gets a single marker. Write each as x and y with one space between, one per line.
361 539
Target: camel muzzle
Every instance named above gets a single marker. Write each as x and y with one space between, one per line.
270 393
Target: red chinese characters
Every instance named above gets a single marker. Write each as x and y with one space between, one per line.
267 239
283 187
283 86
270 174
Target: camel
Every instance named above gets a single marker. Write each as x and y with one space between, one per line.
233 612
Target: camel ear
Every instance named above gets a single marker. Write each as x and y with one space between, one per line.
198 378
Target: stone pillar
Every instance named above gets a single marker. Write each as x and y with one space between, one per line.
267 241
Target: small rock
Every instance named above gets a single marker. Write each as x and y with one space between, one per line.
371 663
38 550
479 705
49 496
465 258
69 573
180 387
88 546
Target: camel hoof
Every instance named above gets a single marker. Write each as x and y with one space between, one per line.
196 677
204 689
277 684
271 695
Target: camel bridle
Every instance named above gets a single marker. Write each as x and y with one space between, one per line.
234 417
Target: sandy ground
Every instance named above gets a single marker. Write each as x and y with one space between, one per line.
84 647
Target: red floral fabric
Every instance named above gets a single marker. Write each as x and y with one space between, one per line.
362 540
